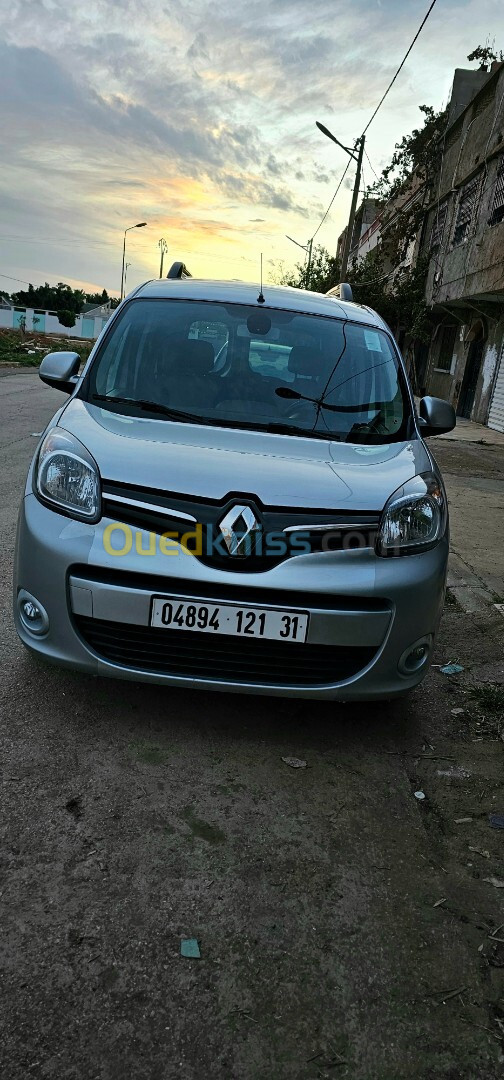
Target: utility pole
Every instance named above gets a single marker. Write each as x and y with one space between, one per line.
357 157
351 219
141 225
307 248
163 247
309 262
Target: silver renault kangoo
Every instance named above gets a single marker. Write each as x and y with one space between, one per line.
237 495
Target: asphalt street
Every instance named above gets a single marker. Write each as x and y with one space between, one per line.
346 928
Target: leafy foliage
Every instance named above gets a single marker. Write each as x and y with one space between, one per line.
486 55
322 275
59 298
97 298
415 155
67 317
398 296
405 185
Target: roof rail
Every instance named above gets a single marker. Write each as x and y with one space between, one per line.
343 291
178 270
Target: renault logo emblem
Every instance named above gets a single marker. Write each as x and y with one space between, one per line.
238 527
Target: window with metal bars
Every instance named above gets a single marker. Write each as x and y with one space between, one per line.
438 225
497 212
466 204
446 348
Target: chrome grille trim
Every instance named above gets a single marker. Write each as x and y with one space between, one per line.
153 508
349 526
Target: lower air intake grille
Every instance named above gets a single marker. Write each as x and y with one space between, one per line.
230 659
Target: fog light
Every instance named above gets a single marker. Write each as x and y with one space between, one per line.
32 614
415 657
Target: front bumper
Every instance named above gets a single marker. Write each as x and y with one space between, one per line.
364 609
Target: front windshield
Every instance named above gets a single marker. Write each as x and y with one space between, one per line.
240 366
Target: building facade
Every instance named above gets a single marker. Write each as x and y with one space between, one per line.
366 215
465 237
462 235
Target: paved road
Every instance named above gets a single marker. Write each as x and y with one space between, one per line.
335 912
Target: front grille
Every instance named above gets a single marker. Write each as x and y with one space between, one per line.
156 512
230 659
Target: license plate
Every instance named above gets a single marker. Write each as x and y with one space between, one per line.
251 622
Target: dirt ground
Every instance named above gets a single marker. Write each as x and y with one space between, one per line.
347 928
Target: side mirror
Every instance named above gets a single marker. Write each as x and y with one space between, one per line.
435 416
60 370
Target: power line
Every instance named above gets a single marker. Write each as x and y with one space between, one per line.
378 107
332 200
21 280
401 65
373 170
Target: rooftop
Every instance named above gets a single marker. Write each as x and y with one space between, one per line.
242 292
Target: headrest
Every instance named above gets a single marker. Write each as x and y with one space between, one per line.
185 356
196 357
305 360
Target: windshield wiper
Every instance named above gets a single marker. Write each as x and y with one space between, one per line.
288 392
218 421
152 406
305 433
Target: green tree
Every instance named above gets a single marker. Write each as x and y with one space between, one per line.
486 56
67 317
51 298
411 172
97 298
322 276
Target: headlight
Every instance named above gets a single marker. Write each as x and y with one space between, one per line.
414 519
67 476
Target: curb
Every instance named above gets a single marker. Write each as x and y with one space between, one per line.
473 595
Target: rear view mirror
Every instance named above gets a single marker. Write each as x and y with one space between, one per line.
435 416
60 370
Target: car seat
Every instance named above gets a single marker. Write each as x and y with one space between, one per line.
178 372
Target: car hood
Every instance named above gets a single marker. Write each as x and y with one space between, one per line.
213 463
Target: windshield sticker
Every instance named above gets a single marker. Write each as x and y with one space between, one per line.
372 340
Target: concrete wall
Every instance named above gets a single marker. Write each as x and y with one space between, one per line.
93 327
466 84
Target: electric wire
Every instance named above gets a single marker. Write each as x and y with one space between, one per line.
373 170
333 198
401 65
378 107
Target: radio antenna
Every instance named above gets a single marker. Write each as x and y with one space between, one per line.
260 298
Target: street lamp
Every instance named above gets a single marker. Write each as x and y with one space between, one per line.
126 268
140 225
359 146
308 248
163 247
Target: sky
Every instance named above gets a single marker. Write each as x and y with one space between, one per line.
198 117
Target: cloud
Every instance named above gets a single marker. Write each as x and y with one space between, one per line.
193 116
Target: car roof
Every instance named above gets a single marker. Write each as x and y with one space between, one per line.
245 292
